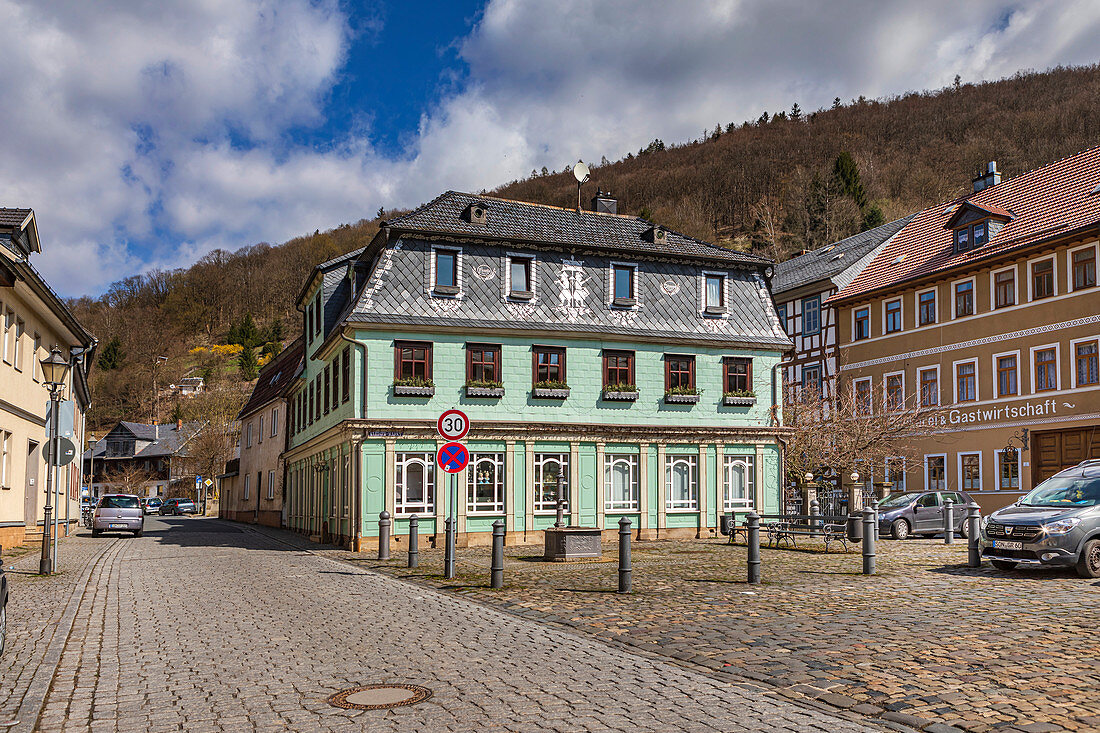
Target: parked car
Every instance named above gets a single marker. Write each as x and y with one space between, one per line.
921 512
1056 525
178 506
151 505
118 512
3 609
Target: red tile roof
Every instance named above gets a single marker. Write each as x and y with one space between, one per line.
1045 203
274 377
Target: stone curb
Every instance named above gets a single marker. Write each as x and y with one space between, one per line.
35 698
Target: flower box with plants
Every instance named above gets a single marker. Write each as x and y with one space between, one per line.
682 396
620 392
740 398
484 388
413 387
549 389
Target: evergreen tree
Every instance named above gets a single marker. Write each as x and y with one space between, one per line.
796 112
958 82
244 333
604 160
763 119
381 213
836 103
275 331
111 356
646 214
247 363
846 173
873 217
545 172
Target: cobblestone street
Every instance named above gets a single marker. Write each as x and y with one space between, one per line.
926 642
203 625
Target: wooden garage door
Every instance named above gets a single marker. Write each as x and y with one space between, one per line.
1057 449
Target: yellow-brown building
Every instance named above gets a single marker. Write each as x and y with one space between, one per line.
33 319
988 307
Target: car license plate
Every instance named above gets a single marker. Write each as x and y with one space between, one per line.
1007 545
116 526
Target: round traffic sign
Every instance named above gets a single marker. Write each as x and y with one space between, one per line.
452 457
453 424
66 449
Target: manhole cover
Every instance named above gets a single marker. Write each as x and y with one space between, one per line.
379 697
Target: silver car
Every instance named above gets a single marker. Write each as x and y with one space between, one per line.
118 513
921 513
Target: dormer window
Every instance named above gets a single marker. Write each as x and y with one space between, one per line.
962 240
477 213
655 234
979 231
975 224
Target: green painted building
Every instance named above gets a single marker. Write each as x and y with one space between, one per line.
618 366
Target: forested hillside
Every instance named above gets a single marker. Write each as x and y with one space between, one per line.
791 179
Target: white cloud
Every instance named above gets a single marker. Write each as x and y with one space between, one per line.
119 115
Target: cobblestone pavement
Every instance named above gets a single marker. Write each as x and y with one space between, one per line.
926 642
36 607
203 625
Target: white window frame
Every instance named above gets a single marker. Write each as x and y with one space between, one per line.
1069 266
916 307
939 385
691 460
247 480
457 250
927 487
802 315
610 461
1057 367
886 472
35 366
532 272
856 310
634 285
5 459
248 435
993 287
1073 357
747 463
1031 278
402 460
346 476
703 292
959 468
9 322
885 390
998 453
274 421
541 460
901 315
955 380
271 484
870 382
260 430
996 375
495 459
20 329
973 297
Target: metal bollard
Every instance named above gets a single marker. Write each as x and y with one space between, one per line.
496 569
414 541
874 505
973 526
624 555
948 522
868 541
815 511
384 536
753 522
449 552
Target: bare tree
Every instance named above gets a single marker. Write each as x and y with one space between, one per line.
128 478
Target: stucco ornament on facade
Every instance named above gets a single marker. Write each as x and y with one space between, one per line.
572 291
670 287
483 272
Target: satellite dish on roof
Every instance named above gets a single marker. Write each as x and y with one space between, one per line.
581 172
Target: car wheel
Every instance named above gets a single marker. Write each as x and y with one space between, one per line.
139 532
3 628
1088 565
1004 564
964 531
97 532
900 529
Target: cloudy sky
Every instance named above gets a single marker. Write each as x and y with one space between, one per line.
146 134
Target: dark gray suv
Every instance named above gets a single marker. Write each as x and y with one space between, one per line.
1056 524
921 512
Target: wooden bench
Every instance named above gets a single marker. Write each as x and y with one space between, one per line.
786 528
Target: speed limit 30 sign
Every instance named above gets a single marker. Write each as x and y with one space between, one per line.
453 425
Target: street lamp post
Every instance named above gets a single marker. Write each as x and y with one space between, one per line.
54 369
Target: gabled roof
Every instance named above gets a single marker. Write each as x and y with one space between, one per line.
274 377
1054 201
827 262
994 211
522 221
163 440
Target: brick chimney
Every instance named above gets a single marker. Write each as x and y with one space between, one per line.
604 203
179 425
991 177
156 430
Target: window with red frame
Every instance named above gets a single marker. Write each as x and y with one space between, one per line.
549 364
679 372
483 362
618 368
412 359
738 374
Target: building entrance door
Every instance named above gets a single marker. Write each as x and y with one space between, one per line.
1057 449
30 497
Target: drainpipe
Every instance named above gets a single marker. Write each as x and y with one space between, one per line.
360 413
779 439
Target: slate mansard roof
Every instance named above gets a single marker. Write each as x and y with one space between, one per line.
827 263
564 243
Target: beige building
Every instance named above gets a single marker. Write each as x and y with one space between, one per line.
252 486
33 319
988 308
